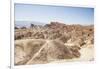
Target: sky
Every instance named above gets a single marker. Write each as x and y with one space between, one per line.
46 14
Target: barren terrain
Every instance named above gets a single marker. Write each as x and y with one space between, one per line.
54 42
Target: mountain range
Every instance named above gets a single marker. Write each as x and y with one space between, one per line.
27 23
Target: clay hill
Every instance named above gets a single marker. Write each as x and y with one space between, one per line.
53 42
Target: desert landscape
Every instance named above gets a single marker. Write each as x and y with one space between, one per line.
53 42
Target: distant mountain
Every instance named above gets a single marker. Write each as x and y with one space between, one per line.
27 23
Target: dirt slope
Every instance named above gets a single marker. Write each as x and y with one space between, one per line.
26 51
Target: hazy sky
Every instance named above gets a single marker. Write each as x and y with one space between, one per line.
46 14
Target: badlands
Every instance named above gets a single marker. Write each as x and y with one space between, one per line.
54 42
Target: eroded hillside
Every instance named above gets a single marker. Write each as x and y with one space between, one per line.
53 42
